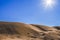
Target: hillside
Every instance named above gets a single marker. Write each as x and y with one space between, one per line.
22 31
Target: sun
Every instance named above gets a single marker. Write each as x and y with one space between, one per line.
48 3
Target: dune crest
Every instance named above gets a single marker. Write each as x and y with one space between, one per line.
22 31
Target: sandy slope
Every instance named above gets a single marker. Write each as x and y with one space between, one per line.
22 31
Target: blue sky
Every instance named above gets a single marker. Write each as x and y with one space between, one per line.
29 11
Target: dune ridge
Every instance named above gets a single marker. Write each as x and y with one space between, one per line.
22 31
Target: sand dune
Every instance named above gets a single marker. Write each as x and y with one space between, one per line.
22 31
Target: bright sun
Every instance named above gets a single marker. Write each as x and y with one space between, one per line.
48 3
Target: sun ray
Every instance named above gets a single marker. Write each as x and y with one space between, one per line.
48 3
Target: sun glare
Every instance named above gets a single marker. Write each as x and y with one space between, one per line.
49 3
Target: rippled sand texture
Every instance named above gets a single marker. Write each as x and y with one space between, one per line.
22 31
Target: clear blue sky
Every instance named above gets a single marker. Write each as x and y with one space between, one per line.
29 11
